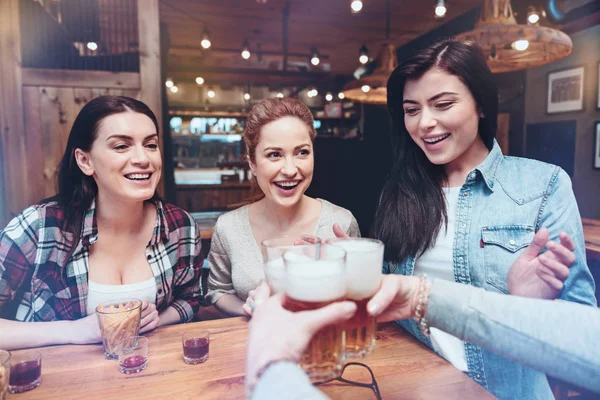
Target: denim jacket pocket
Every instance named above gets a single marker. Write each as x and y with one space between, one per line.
502 245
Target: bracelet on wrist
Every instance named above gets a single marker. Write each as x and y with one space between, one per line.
422 300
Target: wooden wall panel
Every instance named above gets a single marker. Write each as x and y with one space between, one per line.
14 160
36 151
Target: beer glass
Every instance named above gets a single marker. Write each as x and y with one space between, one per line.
364 259
272 251
314 278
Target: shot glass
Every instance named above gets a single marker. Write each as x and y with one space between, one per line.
195 344
119 320
25 371
4 373
133 355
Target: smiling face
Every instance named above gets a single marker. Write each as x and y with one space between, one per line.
442 118
284 160
124 159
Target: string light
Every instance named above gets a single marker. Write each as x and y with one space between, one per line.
211 94
341 96
364 55
440 9
174 89
93 46
533 17
365 88
314 60
246 51
246 96
356 6
169 83
520 45
328 97
205 43
280 95
200 80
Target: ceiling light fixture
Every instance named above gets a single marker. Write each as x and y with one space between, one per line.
211 94
199 80
169 82
341 96
364 54
533 17
246 51
205 43
328 97
502 39
174 89
356 6
246 96
440 9
314 59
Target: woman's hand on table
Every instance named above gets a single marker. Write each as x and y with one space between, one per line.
150 318
256 297
542 275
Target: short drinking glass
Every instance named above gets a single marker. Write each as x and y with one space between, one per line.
133 355
25 371
195 346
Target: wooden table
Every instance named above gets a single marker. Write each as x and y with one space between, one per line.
591 234
404 369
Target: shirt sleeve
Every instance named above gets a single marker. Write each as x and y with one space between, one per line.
286 380
559 212
18 249
188 284
556 337
353 229
219 278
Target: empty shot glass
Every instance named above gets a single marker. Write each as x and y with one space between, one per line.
133 355
195 346
25 371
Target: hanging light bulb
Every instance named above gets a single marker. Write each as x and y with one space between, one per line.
314 60
440 9
246 51
341 96
246 96
93 46
520 45
356 6
328 97
174 89
169 83
280 95
205 43
533 17
199 80
364 54
365 88
211 93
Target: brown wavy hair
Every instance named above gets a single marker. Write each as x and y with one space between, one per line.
265 112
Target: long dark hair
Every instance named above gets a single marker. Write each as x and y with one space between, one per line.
412 208
76 191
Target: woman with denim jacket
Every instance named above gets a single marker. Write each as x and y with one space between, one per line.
454 207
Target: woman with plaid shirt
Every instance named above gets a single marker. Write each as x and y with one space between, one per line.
105 235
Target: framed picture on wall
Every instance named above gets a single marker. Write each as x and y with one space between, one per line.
565 90
597 146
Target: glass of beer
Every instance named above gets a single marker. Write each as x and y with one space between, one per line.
364 259
273 249
313 281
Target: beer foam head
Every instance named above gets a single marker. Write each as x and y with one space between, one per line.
315 281
364 261
275 274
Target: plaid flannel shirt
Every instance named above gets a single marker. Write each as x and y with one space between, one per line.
38 283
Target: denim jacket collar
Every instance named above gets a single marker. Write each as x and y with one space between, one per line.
490 166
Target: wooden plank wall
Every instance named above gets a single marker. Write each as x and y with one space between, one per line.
38 107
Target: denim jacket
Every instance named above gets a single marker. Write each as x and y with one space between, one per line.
501 205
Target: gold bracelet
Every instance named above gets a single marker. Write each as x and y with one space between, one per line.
422 299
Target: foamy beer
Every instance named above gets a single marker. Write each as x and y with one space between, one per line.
364 259
273 249
312 283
